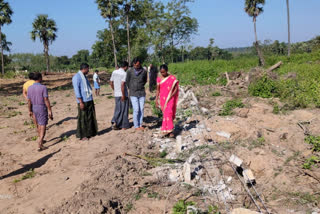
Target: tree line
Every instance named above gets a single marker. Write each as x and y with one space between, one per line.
155 31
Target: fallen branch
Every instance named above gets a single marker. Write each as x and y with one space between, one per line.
274 66
305 130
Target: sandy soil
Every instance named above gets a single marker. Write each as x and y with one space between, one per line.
96 177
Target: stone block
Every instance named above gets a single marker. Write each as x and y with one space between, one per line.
248 176
235 160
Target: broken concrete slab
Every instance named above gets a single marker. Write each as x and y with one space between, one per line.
248 176
243 211
178 144
174 175
191 210
224 134
187 173
235 160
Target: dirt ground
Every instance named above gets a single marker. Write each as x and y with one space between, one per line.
98 177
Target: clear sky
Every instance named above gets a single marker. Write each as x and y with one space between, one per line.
225 20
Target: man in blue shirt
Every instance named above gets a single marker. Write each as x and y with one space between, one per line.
87 124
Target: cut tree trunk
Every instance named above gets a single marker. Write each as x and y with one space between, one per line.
46 55
2 61
114 44
274 66
289 33
260 55
128 36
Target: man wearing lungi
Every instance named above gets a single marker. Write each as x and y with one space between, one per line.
118 84
87 124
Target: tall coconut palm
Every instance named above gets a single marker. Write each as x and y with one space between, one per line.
110 10
45 29
5 18
254 8
289 33
4 43
127 8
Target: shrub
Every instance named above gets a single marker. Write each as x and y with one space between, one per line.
310 162
155 111
181 207
229 106
264 87
314 141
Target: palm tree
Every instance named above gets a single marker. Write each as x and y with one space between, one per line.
5 18
110 10
289 34
253 9
127 8
4 43
45 29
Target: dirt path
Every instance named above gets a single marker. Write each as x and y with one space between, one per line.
67 163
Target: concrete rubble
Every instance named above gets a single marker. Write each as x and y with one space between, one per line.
205 176
224 134
235 160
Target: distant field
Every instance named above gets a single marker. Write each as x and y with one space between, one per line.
301 91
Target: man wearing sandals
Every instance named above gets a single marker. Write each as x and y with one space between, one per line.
39 107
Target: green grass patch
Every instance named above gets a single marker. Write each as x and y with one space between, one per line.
314 141
312 161
128 207
229 106
163 154
156 111
216 94
30 174
260 142
13 114
181 206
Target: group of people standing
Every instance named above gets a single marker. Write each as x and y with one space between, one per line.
128 85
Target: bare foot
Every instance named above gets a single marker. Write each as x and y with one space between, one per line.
84 139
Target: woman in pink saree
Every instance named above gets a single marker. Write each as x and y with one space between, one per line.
167 93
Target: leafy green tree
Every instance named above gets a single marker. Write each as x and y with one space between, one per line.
289 33
5 18
82 56
5 45
45 29
254 8
109 10
179 25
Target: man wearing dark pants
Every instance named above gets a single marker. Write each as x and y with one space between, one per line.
118 84
87 124
136 79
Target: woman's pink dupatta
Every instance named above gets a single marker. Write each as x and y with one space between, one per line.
168 106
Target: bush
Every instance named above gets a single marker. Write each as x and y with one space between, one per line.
264 87
181 207
229 106
314 141
155 111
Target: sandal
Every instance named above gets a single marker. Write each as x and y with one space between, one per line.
42 148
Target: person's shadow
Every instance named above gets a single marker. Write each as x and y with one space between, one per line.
31 166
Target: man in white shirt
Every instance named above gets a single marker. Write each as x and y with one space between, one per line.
96 82
118 84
